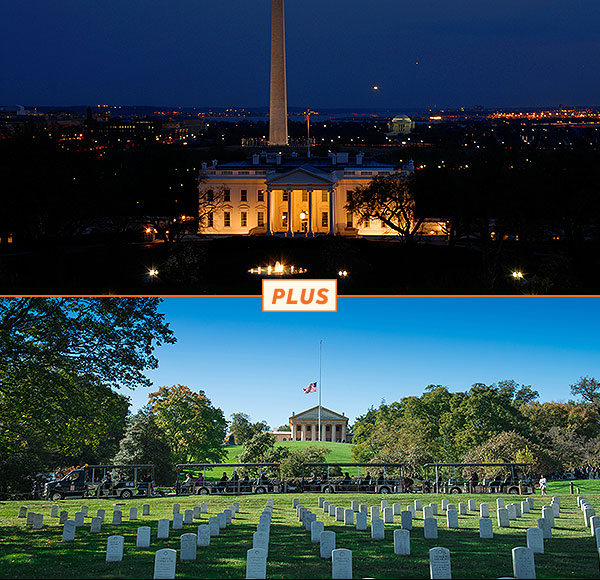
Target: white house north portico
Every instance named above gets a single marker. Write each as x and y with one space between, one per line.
304 426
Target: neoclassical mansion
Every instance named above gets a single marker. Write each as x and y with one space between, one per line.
273 194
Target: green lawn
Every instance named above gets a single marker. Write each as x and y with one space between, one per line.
27 553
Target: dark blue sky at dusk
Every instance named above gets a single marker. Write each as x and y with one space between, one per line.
203 53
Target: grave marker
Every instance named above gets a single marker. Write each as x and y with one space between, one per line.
96 525
523 563
132 513
525 507
116 520
203 535
176 508
503 521
164 564
332 510
316 529
594 524
260 540
388 515
29 521
341 563
430 531
295 502
84 510
177 521
486 530
374 512
445 503
472 505
397 509
361 521
439 563
462 508
114 548
339 514
402 542
63 517
68 531
188 545
364 508
54 511
327 544
484 510
434 508
256 563
377 529
204 507
544 525
512 512
188 517
101 514
214 526
349 517
23 511
321 500
406 520
326 507
163 529
452 519
38 521
548 514
535 540
142 539
146 509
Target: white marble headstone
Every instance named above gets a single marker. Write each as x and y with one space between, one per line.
163 528
406 520
377 529
327 543
535 540
114 548
402 542
484 510
439 563
256 563
485 528
523 563
430 530
164 564
316 529
452 519
133 513
341 563
361 521
96 525
188 544
203 535
68 531
142 539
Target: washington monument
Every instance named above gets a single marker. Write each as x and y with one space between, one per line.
278 129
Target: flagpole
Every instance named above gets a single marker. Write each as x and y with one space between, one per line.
320 349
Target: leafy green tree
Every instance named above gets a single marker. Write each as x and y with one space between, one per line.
291 463
257 448
194 428
145 442
60 361
588 388
243 429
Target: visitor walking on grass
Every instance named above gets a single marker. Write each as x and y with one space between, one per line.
543 483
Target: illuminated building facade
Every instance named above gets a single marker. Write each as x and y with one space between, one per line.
272 194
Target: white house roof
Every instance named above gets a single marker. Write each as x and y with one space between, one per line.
313 414
304 175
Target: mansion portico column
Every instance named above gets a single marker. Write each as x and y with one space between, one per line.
310 213
331 190
269 228
304 432
290 231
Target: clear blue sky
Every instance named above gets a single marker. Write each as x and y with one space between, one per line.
216 53
373 349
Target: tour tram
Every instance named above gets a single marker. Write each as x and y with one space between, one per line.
513 478
246 478
123 481
324 478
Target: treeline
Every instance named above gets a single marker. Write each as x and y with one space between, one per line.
503 422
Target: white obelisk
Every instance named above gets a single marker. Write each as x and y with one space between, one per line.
278 129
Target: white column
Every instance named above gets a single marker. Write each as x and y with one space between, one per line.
331 230
310 214
289 220
269 228
343 432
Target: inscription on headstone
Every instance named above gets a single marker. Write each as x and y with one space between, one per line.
402 542
164 564
377 529
430 531
188 544
485 528
142 539
439 563
535 540
114 548
523 563
341 563
256 563
327 543
163 529
203 535
361 521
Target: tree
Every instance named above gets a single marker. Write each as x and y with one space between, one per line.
60 361
257 448
146 443
388 198
243 429
588 389
194 428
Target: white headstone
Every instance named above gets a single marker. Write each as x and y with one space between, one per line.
535 540
321 500
374 512
339 514
503 521
388 515
377 529
177 521
427 511
353 505
23 511
349 517
411 509
525 507
264 528
204 507
406 520
176 508
445 503
499 503
530 501
452 519
188 546
327 543
203 535
434 508
229 514
68 531
418 504
517 509
146 509
548 513
188 517
101 514
439 563
143 537
214 526
316 528
485 528
309 518
133 513
96 525
256 563
397 509
332 509
164 564
38 521
361 521
261 540
114 548
163 528
63 517
594 524
84 510
79 521
54 511
30 515
544 525
462 508
402 542
430 531
295 502
484 510
472 505
341 563
364 508
383 504
326 507
116 521
512 511
523 563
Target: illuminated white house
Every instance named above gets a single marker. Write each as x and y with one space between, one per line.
272 194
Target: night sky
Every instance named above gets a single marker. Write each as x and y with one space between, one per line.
203 53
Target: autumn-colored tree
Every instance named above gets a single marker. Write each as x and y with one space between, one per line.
195 429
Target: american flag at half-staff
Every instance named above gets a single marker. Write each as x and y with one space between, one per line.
312 388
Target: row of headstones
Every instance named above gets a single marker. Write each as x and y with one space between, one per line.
165 559
591 520
256 557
